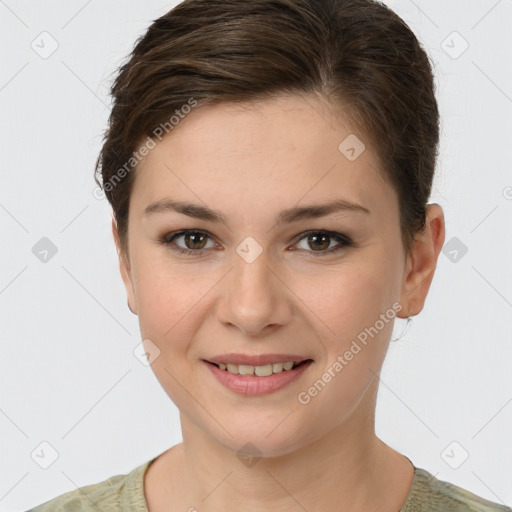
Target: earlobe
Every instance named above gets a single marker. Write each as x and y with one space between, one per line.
421 263
124 267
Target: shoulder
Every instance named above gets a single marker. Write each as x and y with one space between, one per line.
429 494
103 495
119 492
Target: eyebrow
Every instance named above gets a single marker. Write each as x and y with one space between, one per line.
288 216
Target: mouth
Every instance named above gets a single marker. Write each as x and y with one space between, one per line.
262 370
257 375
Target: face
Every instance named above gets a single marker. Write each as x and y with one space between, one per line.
262 284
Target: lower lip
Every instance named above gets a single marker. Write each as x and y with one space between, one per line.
250 385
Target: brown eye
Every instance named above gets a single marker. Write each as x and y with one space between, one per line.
317 243
194 242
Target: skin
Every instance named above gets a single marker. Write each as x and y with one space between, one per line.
250 162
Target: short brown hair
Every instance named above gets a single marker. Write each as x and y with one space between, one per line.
358 54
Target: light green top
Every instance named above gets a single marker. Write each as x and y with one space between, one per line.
122 493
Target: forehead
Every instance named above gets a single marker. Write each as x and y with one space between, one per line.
262 154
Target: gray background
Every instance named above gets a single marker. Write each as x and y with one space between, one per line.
68 374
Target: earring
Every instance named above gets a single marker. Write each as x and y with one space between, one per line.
409 320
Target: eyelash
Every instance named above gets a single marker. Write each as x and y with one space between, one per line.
168 241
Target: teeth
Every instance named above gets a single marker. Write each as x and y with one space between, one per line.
245 369
260 371
263 371
277 367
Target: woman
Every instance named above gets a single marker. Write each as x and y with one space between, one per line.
269 165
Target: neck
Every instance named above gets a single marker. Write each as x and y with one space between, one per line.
348 468
276 483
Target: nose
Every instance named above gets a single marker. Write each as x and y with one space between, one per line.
254 298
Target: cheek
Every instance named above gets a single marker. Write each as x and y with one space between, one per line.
169 301
170 311
351 305
347 299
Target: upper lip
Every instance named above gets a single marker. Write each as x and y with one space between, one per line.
256 360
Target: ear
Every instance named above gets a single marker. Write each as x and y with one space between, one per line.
421 262
124 266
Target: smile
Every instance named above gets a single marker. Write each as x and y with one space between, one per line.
255 380
260 371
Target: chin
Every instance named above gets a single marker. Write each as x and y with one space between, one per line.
264 438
